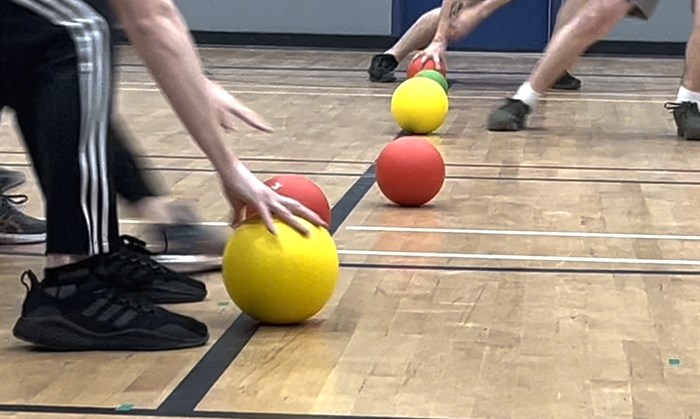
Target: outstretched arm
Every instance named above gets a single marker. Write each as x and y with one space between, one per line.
162 39
458 18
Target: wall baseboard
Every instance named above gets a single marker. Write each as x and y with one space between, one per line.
380 42
361 42
638 49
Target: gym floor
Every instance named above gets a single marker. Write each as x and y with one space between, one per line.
556 275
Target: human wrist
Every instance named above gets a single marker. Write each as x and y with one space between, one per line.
226 165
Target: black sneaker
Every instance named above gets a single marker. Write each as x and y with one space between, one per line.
381 68
567 82
131 263
17 227
509 117
82 311
687 119
10 179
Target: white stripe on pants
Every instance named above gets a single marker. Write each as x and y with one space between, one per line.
90 33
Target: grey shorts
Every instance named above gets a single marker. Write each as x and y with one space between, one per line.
645 8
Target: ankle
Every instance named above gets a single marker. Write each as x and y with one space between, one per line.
687 95
55 260
528 95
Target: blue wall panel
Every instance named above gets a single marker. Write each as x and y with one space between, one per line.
522 25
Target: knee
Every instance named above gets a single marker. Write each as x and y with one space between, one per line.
479 13
597 18
433 14
488 7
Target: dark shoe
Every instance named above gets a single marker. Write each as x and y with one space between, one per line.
17 227
687 119
188 248
186 245
83 311
567 82
509 117
381 68
131 263
10 179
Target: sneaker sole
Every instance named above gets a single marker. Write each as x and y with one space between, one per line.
56 333
190 264
167 296
387 78
505 126
692 134
7 238
14 181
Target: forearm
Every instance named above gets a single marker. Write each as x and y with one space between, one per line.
161 38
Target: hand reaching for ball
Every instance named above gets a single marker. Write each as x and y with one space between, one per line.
432 57
243 189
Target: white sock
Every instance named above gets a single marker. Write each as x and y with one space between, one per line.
528 95
685 95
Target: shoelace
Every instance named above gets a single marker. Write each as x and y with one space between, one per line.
31 277
141 255
672 106
139 246
15 200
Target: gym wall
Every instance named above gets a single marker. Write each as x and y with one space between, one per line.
326 17
524 25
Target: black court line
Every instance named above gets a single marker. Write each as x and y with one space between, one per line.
204 375
363 70
74 410
515 269
257 159
212 170
582 168
471 268
361 162
454 177
575 180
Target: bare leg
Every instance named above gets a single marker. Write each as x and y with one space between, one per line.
417 37
467 21
567 12
589 24
686 109
691 77
422 32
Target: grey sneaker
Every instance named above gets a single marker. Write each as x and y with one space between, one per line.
687 118
381 68
509 117
187 246
567 82
17 227
10 179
